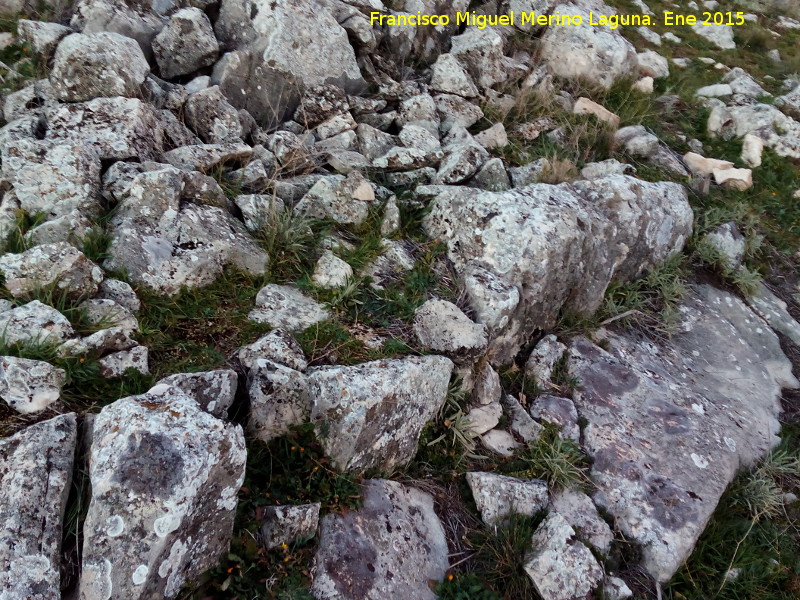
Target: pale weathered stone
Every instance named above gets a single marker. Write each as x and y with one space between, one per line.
29 386
584 106
373 413
559 411
117 363
211 117
579 511
34 323
652 64
500 442
214 391
289 524
107 313
397 532
719 35
185 44
286 307
497 497
729 242
737 179
702 166
450 77
279 399
35 475
331 271
279 346
443 327
120 292
343 199
159 466
480 419
42 38
752 147
542 360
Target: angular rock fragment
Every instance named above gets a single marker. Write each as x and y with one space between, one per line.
443 327
34 323
211 117
286 307
165 477
35 476
288 524
279 346
214 391
279 399
29 386
185 44
498 497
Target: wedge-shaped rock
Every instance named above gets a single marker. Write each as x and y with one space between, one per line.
713 395
35 475
34 323
560 566
98 65
186 44
443 327
278 346
559 246
213 390
60 265
389 548
498 496
778 131
373 413
165 477
29 386
278 399
288 524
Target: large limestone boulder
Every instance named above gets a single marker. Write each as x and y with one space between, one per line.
593 53
140 20
372 414
34 323
389 548
97 65
558 246
713 395
35 475
277 49
186 43
165 477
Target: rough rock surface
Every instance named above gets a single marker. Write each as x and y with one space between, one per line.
443 327
185 44
497 496
35 476
288 524
714 401
287 307
373 413
29 386
214 391
159 467
279 399
559 246
389 548
35 323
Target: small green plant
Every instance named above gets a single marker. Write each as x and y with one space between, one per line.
290 240
16 241
555 458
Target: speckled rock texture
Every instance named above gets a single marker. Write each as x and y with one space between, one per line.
213 390
559 246
497 496
29 386
35 476
160 467
287 307
712 394
389 548
373 413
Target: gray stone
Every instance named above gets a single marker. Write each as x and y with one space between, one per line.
712 394
259 210
286 307
107 313
481 52
560 566
719 35
279 346
492 176
97 65
288 524
373 413
130 18
185 44
42 38
214 391
547 352
455 110
529 173
159 466
579 511
100 343
29 386
443 327
482 418
120 292
520 422
35 475
331 271
203 157
531 240
640 143
773 310
396 531
450 77
34 323
487 388
558 411
497 497
728 241
500 442
393 262
117 363
778 131
211 117
279 399
343 199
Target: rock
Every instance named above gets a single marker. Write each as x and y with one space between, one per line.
207 156
29 386
286 307
652 64
752 147
498 497
649 35
373 413
35 476
59 265
331 271
391 217
211 117
34 323
107 313
279 346
127 17
461 161
481 52
343 199
584 106
493 300
418 137
320 103
704 167
558 411
789 103
493 138
100 343
778 132
712 392
374 143
120 292
645 85
288 524
487 388
500 442
640 143
116 364
542 360
147 530
719 35
561 567
185 44
97 65
742 83
279 399
449 77
615 588
114 128
592 52
421 110
607 167
396 531
492 176
483 417
214 391
737 179
335 125
259 210
773 310
280 47
403 159
529 173
455 110
728 241
443 327
393 262
579 511
717 90
166 243
42 38
524 229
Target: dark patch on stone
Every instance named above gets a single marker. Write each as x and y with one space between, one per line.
153 465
